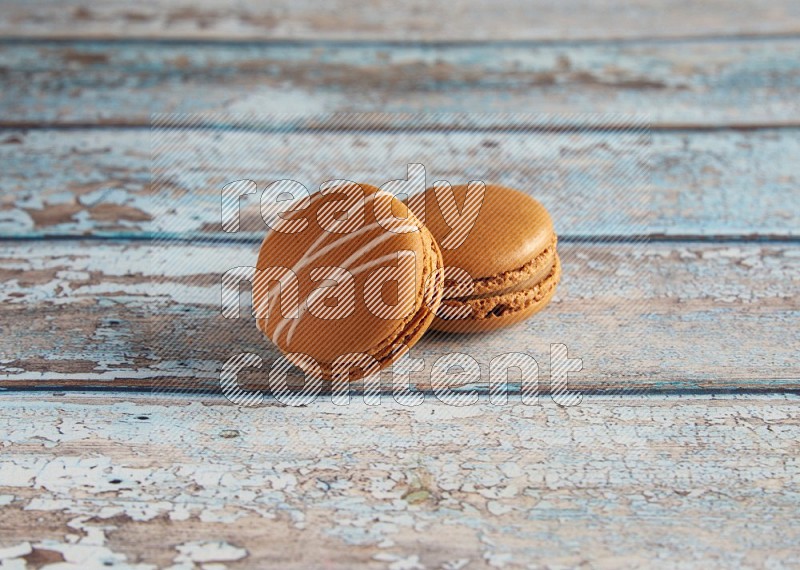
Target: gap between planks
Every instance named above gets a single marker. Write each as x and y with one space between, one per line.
678 128
222 239
377 43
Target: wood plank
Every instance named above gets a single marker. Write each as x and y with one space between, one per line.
97 181
661 317
383 20
690 482
750 82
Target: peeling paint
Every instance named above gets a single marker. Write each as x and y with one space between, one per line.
107 175
656 323
209 552
605 476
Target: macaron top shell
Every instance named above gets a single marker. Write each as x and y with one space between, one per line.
511 230
360 248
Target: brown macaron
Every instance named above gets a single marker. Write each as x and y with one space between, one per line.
508 256
360 280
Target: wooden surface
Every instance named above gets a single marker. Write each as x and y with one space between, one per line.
679 84
659 317
666 481
690 184
682 301
468 20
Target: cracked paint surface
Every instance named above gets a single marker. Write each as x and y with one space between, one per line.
663 316
157 481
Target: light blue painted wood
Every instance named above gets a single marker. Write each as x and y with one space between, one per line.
710 83
696 482
701 184
386 20
661 318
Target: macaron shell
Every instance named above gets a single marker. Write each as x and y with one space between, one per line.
510 230
504 309
393 347
361 252
532 272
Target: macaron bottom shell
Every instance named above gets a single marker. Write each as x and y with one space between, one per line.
504 308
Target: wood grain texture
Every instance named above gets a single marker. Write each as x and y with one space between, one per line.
97 182
149 480
468 20
141 482
661 317
735 82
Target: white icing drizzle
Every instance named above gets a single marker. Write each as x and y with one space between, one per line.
313 253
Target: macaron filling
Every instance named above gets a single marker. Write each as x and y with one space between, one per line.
535 270
513 299
507 256
511 291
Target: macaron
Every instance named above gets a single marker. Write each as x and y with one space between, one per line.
501 264
347 281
